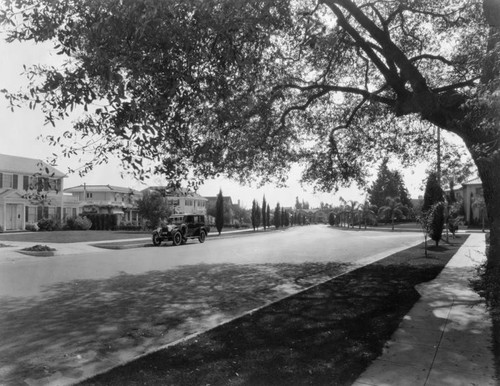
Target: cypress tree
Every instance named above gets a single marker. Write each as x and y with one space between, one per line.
264 208
277 216
254 214
436 221
219 212
268 216
433 192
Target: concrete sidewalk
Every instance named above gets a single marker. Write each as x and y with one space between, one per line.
446 338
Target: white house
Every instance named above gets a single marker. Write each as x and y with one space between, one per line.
472 190
181 200
107 199
30 189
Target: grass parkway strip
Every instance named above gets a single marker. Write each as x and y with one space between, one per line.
326 335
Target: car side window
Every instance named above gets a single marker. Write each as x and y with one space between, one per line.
190 219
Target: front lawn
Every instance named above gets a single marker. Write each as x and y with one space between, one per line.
326 335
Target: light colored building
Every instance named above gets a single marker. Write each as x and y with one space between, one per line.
102 199
30 189
471 191
181 200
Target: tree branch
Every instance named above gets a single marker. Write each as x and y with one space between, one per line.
455 86
431 57
391 51
343 89
391 77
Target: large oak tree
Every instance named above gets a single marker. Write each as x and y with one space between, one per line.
246 88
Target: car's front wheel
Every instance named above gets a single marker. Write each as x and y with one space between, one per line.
202 236
177 238
156 239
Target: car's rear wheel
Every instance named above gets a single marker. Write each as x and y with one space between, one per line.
202 236
177 238
156 239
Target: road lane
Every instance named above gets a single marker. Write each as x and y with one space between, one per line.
28 276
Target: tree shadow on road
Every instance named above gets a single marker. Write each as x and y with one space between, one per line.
85 323
326 335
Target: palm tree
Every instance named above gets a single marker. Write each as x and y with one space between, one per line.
393 209
367 211
351 207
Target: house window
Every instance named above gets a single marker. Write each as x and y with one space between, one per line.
7 180
189 202
30 214
26 182
89 195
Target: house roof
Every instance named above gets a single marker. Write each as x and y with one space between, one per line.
4 193
180 192
225 199
473 181
30 166
100 188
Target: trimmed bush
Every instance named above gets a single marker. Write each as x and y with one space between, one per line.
32 227
436 222
128 226
82 223
331 219
48 224
102 221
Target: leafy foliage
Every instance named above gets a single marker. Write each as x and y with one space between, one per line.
152 208
433 192
436 221
219 212
189 85
389 183
264 213
255 215
277 216
392 210
248 88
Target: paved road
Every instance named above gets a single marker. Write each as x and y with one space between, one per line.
69 316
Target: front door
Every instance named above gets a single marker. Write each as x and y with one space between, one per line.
12 217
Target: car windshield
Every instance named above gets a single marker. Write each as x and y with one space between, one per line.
175 220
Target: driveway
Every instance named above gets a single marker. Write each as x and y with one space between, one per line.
70 316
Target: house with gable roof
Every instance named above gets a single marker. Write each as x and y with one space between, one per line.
30 189
180 200
471 191
105 199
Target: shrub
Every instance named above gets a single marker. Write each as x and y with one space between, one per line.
436 222
39 248
331 219
82 223
102 221
32 227
1 229
128 226
48 224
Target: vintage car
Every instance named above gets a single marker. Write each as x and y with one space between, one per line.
181 227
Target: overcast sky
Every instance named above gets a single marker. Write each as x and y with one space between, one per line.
19 131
